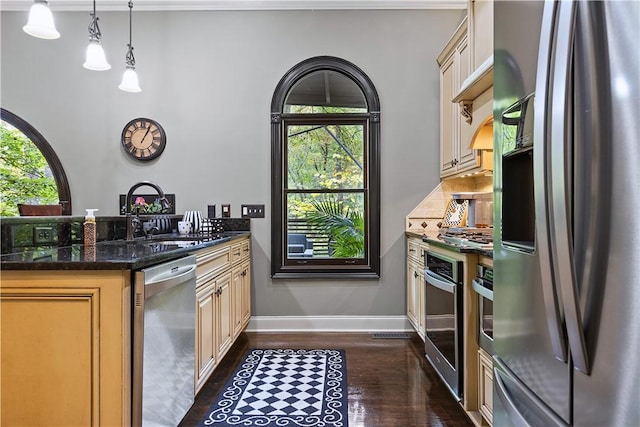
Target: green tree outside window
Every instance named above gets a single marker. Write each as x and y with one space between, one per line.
25 175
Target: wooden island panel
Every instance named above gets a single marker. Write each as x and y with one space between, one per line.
65 340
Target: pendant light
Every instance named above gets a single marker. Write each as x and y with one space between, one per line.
95 59
40 23
130 78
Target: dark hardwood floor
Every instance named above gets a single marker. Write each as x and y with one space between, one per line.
391 384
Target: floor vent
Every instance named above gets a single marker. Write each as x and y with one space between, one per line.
391 335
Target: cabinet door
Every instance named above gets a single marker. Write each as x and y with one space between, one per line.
412 293
246 293
448 115
237 278
485 386
465 158
64 336
224 311
421 304
205 332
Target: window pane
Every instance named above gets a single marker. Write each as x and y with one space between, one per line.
325 157
25 175
319 91
325 225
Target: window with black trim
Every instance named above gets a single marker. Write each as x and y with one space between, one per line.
25 171
325 136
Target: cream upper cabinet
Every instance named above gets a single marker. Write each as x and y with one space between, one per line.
455 131
481 31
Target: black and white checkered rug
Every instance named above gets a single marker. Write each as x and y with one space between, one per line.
284 388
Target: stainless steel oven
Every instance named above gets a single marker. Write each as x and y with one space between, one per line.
443 323
483 286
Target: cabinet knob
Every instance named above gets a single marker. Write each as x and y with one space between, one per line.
415 274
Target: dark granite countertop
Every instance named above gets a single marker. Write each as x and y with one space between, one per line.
115 254
434 240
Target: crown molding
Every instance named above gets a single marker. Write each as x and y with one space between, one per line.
176 5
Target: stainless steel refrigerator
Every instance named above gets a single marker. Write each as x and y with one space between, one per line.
567 213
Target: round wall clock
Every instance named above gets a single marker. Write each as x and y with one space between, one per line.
143 139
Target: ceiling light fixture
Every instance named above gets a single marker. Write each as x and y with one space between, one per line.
95 59
40 23
130 78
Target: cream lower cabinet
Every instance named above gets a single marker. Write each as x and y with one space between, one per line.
224 312
222 303
241 286
66 348
415 284
485 386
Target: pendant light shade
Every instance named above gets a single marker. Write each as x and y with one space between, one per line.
130 81
130 77
40 23
96 59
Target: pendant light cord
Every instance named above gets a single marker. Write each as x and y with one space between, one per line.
94 29
130 59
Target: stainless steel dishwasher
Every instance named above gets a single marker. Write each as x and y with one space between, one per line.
164 343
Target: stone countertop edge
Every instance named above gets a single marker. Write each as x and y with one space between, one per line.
137 256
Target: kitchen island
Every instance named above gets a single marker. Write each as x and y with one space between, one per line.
66 327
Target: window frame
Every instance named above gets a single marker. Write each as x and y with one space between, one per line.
281 265
60 177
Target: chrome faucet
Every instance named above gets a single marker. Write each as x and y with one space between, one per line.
133 222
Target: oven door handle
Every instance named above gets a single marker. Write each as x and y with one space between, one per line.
481 290
434 280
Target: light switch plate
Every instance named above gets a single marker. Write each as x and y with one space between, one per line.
252 211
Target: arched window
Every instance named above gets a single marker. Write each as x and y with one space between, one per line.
325 136
31 175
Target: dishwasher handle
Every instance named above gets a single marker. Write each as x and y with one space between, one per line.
171 280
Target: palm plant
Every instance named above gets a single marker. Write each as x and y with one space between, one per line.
343 226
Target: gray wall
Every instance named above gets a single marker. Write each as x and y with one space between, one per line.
208 78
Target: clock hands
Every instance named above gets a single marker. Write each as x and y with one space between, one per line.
145 134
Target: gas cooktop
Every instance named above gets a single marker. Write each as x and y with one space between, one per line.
480 238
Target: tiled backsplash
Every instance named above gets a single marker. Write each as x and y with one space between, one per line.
28 233
425 217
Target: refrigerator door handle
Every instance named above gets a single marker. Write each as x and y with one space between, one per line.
542 185
560 178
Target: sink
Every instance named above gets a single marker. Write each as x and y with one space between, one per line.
173 242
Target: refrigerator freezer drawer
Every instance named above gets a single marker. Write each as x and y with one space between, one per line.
519 407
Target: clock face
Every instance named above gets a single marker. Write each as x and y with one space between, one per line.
143 139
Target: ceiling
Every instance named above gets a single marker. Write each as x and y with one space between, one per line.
110 5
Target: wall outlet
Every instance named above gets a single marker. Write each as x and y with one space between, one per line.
226 211
44 234
252 211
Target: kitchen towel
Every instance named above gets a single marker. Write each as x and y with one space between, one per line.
284 388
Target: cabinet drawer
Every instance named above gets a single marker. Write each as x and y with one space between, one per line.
415 250
240 251
212 262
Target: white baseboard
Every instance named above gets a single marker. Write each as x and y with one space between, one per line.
329 324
